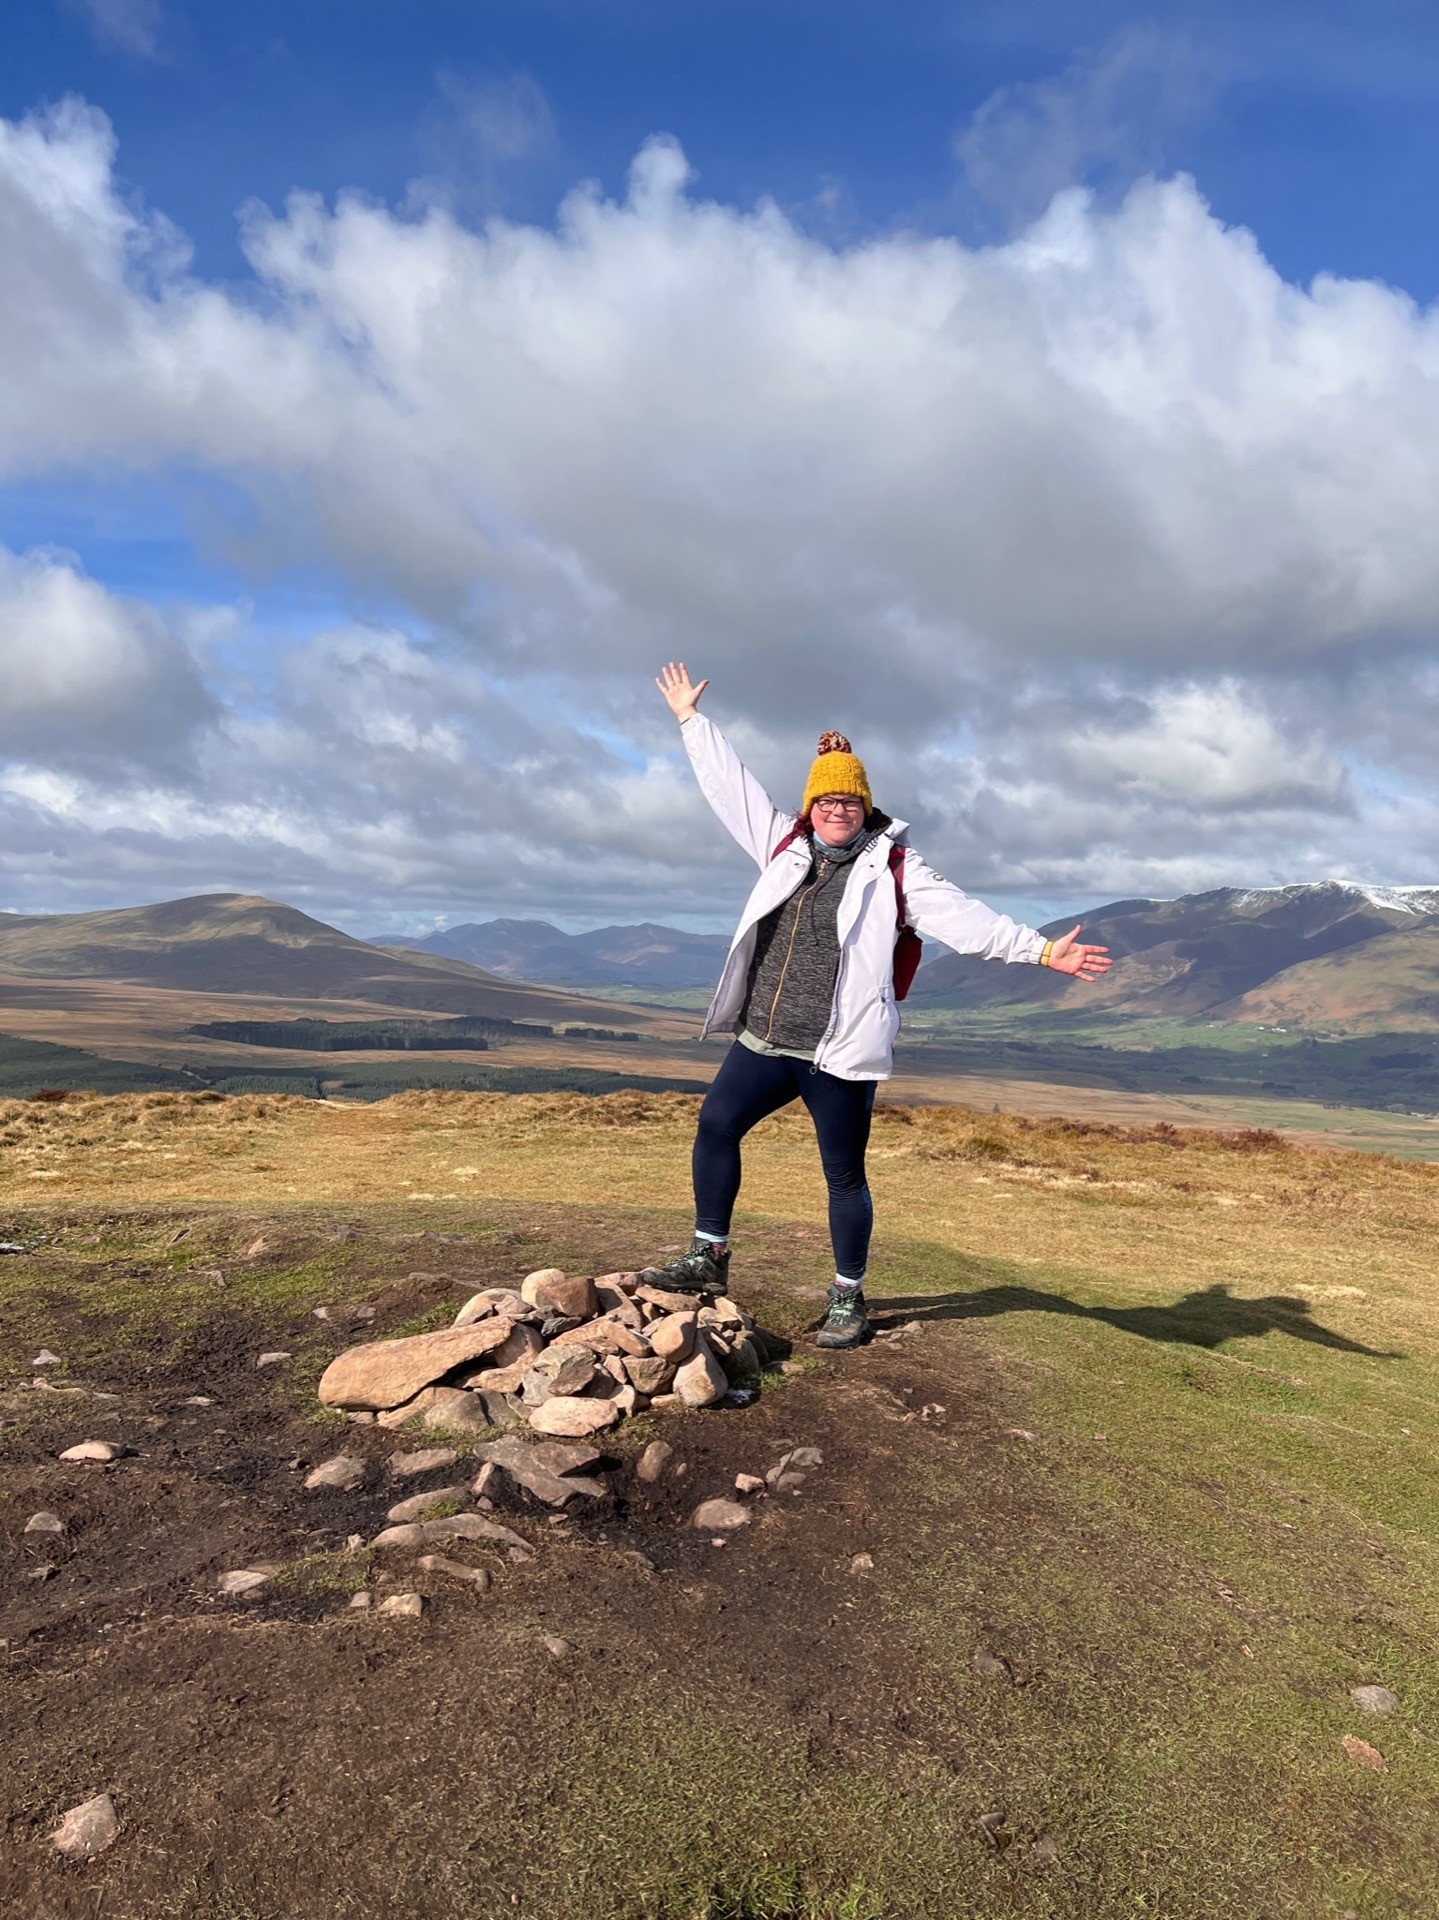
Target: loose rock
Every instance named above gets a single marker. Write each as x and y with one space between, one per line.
1372 1699
87 1829
344 1472
649 1373
653 1461
701 1380
96 1450
723 1515
444 1408
362 1600
271 1359
555 1647
476 1577
559 1457
419 1503
427 1460
862 1563
44 1523
385 1373
44 1358
749 1483
673 1338
455 1526
409 1606
573 1418
530 1285
244 1580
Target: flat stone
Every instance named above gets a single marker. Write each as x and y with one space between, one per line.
749 1483
673 1337
712 1516
477 1577
807 1457
478 1307
788 1482
573 1418
455 1526
723 1308
198 1400
611 1297
501 1379
605 1336
1372 1699
662 1402
626 1399
667 1302
409 1606
385 1373
701 1380
531 1283
44 1358
427 1460
519 1462
344 1472
447 1409
484 1482
44 1523
243 1581
271 1359
87 1829
555 1647
649 1373
415 1507
96 1450
653 1461
558 1456
362 1600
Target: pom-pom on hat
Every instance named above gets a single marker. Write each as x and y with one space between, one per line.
837 769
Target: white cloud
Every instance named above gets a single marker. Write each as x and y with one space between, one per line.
88 673
1111 550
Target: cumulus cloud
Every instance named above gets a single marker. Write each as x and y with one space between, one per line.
1088 538
90 675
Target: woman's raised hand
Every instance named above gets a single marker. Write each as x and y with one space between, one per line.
1084 963
682 696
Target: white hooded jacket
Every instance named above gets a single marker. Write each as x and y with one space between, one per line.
858 1044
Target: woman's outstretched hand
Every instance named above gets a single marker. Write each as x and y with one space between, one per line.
1084 963
680 692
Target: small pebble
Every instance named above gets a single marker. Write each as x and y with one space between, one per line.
44 1358
1373 1699
271 1359
749 1483
862 1563
91 1450
409 1606
243 1581
44 1523
362 1600
198 1400
555 1647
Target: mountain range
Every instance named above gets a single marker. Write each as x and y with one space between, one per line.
639 956
235 943
1329 955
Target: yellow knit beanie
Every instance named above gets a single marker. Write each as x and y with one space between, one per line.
838 769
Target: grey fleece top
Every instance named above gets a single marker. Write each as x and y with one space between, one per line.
790 995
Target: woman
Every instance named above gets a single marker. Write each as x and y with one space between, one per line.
809 987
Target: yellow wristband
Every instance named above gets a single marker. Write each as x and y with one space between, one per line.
1048 950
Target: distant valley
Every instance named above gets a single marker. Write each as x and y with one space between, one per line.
638 956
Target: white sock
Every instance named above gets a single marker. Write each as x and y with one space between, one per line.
715 1239
843 1280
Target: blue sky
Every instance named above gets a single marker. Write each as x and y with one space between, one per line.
401 671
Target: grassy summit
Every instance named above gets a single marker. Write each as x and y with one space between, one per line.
1147 1493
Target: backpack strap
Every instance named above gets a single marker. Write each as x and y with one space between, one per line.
896 868
796 832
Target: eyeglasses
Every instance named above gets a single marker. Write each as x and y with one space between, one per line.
838 805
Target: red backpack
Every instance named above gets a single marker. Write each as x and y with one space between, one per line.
908 947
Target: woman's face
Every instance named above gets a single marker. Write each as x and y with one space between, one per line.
837 818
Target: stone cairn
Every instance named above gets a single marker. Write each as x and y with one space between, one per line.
565 1357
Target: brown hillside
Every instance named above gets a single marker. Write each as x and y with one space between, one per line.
1390 983
236 943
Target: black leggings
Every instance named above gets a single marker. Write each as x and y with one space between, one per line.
747 1089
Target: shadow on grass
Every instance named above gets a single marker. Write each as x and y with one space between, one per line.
1206 1318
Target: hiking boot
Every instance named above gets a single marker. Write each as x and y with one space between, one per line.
847 1322
701 1270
